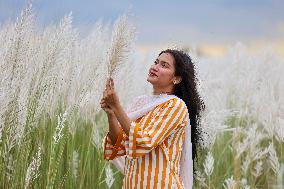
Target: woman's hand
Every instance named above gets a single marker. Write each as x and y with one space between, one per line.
110 100
106 108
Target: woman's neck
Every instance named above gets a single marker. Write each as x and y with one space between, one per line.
161 91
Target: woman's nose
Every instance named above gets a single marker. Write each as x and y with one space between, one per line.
154 67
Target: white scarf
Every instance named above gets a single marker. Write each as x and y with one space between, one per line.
140 106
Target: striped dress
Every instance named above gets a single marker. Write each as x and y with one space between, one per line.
153 148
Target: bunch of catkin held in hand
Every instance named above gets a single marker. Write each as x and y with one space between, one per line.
110 99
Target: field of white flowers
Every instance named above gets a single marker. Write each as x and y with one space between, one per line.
52 126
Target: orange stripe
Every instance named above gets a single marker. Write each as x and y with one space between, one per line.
156 168
134 140
142 172
164 170
136 174
170 180
142 142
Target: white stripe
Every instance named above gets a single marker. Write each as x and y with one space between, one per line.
178 154
139 172
167 180
125 173
121 151
130 172
127 148
175 152
153 168
180 145
175 143
146 170
143 151
134 173
144 139
108 152
161 164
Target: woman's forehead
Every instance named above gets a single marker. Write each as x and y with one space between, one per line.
166 57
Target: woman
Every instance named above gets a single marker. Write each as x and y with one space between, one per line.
154 134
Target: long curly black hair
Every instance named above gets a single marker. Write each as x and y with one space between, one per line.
187 91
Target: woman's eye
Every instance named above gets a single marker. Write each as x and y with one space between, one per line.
155 62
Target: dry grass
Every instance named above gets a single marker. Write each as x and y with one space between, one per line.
51 126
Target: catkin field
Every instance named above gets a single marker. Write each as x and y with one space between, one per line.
52 126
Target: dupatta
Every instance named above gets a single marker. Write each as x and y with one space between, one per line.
140 106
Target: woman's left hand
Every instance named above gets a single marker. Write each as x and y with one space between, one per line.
110 97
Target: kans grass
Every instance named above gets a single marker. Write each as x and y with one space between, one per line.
52 126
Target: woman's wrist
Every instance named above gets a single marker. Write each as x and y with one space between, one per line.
110 114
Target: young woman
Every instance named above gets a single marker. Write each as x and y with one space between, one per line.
154 141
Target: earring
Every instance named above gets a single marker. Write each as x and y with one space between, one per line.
174 81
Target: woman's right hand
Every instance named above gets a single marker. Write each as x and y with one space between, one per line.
106 108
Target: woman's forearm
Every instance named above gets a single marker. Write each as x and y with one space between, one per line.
114 128
122 118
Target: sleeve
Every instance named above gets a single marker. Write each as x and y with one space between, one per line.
111 151
156 127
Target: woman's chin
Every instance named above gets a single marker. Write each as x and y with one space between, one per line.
150 79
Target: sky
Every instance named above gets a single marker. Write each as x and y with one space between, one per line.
202 22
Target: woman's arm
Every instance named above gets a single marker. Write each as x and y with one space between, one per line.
122 117
112 101
113 127
115 140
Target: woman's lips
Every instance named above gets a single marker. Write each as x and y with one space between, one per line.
152 74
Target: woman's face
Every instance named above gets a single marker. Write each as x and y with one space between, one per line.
161 73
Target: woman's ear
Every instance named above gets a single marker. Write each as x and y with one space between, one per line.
177 79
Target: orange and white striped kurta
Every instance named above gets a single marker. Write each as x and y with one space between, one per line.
153 147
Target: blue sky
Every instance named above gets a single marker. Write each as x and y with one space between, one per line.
158 21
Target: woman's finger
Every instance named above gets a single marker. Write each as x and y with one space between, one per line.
103 105
111 83
102 101
108 85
